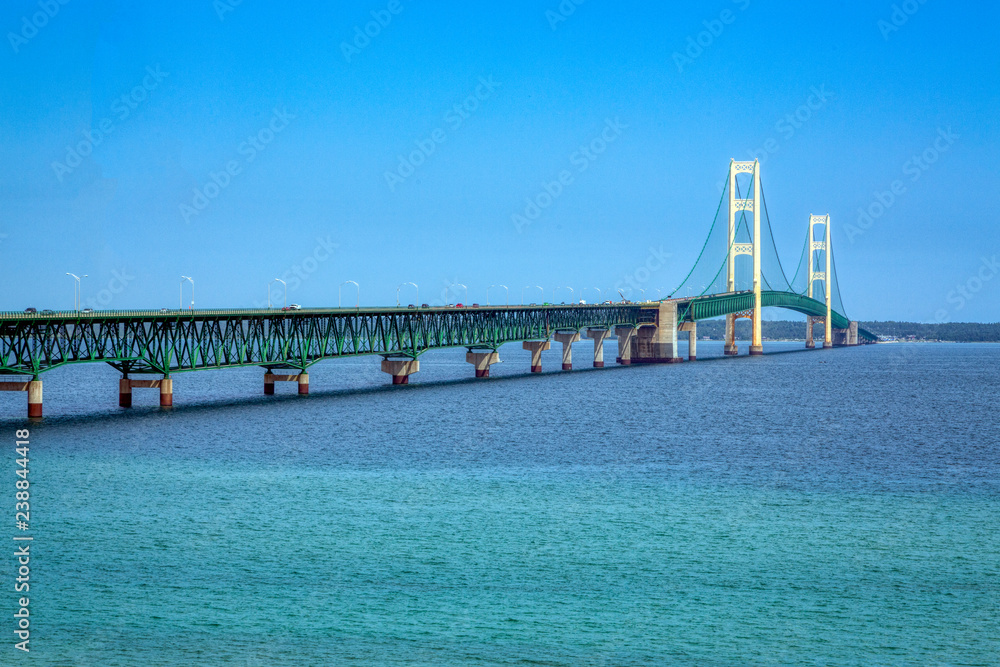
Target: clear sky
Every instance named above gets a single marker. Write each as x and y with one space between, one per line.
235 142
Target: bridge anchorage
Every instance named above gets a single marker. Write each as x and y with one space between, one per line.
737 274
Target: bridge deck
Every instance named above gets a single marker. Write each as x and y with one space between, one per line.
157 341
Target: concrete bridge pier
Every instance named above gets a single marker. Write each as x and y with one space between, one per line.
692 331
400 368
165 385
598 335
567 338
625 335
301 378
536 347
166 392
482 360
35 399
656 343
33 388
125 393
846 337
810 343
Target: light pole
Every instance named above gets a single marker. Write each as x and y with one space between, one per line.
277 280
538 287
351 282
403 285
77 289
584 291
507 291
559 288
190 280
463 287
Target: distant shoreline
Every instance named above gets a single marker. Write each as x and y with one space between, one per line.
899 332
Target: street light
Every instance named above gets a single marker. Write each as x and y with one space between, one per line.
507 303
400 287
584 291
463 287
559 288
77 289
277 280
538 287
190 280
342 286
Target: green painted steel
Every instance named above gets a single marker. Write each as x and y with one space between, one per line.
717 305
178 341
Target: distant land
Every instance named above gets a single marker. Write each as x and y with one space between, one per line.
951 332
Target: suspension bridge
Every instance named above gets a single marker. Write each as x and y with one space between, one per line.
737 274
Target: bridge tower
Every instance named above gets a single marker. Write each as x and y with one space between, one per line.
824 275
736 207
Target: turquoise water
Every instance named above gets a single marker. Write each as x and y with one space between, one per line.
830 507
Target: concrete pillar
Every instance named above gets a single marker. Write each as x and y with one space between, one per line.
482 360
810 342
124 393
34 390
598 335
536 347
657 343
567 338
625 336
400 368
852 334
731 350
692 331
35 398
166 392
301 378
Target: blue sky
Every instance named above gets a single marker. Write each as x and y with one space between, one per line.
260 140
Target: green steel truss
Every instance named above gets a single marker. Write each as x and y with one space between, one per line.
178 341
716 305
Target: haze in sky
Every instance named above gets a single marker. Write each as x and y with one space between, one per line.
554 144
